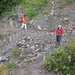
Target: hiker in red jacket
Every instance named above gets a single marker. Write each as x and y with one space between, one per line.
58 31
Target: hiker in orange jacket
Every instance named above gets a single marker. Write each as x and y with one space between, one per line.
24 21
59 31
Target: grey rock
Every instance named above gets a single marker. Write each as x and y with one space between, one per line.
33 47
66 19
4 58
39 28
52 33
19 43
31 22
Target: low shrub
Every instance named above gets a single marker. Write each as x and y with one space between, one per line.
58 61
70 47
10 65
15 52
62 60
31 12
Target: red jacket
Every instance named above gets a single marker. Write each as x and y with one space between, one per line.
59 32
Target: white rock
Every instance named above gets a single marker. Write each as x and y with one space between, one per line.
0 58
33 47
52 33
39 28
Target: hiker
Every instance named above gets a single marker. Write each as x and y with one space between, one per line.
58 31
24 21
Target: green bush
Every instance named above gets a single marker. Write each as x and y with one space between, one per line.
59 61
31 12
6 6
70 47
62 60
15 52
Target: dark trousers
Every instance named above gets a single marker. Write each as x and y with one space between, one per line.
58 39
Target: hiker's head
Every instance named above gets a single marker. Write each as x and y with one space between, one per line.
24 15
59 27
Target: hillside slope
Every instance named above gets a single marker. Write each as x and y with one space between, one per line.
38 41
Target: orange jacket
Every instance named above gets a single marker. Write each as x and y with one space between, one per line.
24 20
59 32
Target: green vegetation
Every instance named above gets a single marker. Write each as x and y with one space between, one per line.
63 59
31 12
22 57
7 5
70 47
30 7
15 52
4 68
10 65
65 2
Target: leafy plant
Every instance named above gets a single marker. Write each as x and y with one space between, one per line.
70 47
15 52
58 61
62 59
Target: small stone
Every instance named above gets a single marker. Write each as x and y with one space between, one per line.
33 47
0 58
39 28
19 43
66 19
28 37
37 46
27 45
52 33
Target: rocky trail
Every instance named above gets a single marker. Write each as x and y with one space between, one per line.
36 42
33 45
34 63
